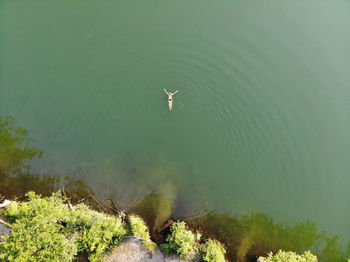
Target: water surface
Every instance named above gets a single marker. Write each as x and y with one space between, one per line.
260 124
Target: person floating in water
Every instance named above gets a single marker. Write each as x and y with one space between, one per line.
170 98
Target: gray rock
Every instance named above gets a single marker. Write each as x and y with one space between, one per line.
4 230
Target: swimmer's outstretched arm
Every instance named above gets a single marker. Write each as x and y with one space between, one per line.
174 92
166 91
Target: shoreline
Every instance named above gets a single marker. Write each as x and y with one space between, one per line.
134 241
245 237
237 234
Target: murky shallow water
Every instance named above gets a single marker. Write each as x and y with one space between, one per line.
261 122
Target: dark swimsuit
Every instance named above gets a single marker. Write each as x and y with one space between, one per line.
169 99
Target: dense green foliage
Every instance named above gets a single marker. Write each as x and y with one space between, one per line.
140 229
46 229
181 240
36 235
283 256
213 251
98 232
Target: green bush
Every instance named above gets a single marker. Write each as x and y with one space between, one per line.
97 232
290 256
181 240
45 229
102 235
213 251
37 240
140 229
35 234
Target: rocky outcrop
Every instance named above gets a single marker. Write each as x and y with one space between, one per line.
4 230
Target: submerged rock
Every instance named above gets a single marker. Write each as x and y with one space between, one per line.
132 250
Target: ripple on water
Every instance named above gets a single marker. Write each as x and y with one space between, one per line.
252 110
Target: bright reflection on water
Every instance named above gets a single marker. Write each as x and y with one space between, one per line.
260 123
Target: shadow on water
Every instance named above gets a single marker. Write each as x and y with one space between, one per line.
250 236
155 208
15 176
245 237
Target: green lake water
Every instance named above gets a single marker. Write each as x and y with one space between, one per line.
261 122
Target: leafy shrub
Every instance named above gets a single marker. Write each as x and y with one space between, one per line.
36 240
140 229
290 256
181 240
213 251
97 232
45 229
102 235
35 234
45 208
